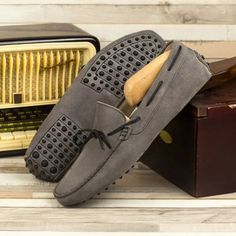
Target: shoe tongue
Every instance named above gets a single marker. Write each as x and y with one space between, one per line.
108 118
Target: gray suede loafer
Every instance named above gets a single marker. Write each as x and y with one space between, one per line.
114 143
53 150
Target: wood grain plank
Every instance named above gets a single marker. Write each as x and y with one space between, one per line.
12 165
111 32
120 2
140 193
111 14
123 203
126 219
138 184
210 49
214 49
70 233
212 228
32 193
194 33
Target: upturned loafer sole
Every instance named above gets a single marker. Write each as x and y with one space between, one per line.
53 149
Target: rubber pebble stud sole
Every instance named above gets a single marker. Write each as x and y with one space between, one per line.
53 149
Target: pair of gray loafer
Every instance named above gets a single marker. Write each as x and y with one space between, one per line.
87 134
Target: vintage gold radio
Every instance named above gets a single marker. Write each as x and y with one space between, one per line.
37 65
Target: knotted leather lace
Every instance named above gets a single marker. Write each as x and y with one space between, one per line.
101 136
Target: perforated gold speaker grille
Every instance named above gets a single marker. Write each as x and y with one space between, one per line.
37 74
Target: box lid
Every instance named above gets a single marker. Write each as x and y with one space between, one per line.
220 90
222 96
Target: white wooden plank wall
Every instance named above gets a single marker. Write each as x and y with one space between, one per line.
196 21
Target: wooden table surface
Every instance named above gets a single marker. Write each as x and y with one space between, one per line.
141 201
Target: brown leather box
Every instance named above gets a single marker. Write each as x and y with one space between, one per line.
197 150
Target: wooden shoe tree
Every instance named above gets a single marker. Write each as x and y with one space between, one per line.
137 86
